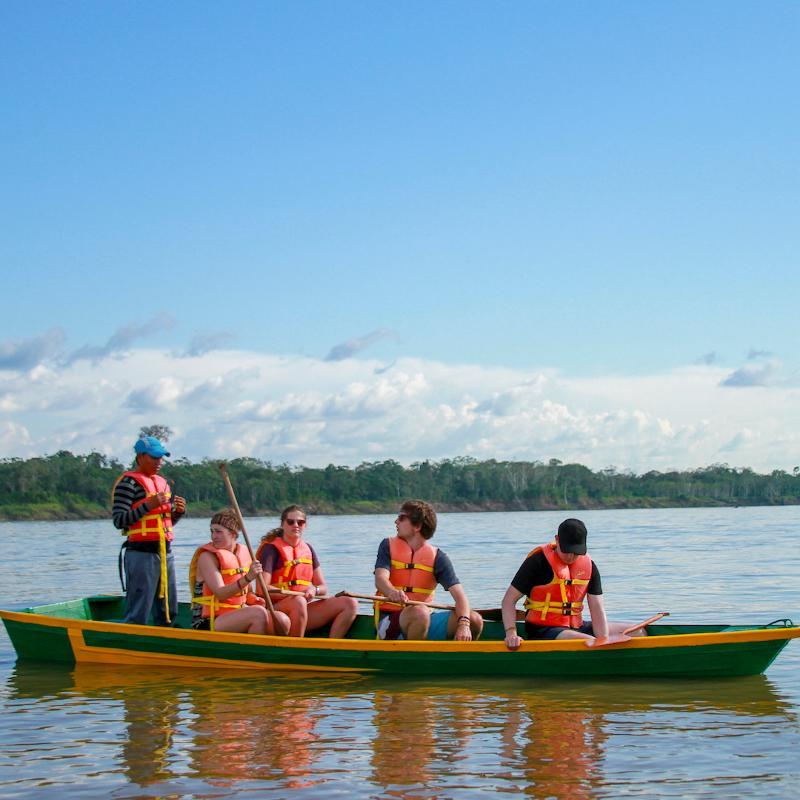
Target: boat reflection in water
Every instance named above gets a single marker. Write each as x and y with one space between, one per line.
555 748
170 732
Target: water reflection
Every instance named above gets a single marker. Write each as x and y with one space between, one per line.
554 740
209 731
558 749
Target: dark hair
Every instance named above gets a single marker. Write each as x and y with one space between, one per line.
422 514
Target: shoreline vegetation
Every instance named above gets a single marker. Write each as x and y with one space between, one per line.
72 487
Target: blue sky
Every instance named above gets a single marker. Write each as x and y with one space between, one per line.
335 232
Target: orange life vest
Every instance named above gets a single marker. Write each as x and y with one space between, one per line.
559 602
232 565
411 571
298 564
155 521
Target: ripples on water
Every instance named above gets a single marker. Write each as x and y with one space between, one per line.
97 732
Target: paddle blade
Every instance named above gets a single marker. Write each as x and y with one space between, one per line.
615 639
281 625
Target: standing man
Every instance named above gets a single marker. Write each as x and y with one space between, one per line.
145 511
409 568
556 578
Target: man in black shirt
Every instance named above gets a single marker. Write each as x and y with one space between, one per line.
556 577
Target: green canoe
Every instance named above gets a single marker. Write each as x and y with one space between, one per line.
88 630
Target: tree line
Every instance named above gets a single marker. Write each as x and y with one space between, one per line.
67 486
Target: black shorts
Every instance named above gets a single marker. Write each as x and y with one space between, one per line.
552 631
203 624
389 625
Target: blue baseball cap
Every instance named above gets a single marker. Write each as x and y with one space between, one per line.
151 447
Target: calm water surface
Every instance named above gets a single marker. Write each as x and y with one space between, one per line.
100 732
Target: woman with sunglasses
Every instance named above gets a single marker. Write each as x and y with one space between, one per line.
292 566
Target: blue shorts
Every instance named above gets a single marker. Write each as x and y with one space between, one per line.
389 626
438 629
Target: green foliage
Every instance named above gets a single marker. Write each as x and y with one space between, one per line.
160 432
67 486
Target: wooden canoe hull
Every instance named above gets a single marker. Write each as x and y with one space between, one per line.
83 631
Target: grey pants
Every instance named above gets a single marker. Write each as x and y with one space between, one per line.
143 577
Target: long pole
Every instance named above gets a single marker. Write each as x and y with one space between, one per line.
380 599
280 627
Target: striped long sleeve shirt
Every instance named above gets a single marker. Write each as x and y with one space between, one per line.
127 492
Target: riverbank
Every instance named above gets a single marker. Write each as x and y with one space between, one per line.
55 512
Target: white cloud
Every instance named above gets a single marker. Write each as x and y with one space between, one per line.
310 411
14 438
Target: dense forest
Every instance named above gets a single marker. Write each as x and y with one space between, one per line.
67 486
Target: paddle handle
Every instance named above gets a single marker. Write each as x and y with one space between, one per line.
278 590
644 624
260 577
380 599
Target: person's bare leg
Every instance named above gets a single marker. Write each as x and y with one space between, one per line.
250 619
415 621
296 608
340 612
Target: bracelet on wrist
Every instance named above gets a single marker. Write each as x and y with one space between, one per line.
511 629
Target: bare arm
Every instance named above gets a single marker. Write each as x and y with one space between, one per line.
208 571
463 630
597 610
384 586
510 599
318 586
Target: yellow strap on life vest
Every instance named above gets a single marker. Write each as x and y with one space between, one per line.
211 600
376 613
287 568
565 608
163 591
572 582
404 565
288 564
295 582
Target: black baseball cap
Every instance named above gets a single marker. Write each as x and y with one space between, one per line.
572 537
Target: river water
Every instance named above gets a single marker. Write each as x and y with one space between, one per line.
99 732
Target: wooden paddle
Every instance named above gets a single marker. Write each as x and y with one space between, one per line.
625 635
380 599
278 590
280 626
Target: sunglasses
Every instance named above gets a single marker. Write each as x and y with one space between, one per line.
402 515
300 522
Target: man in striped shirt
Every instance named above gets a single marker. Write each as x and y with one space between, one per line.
145 511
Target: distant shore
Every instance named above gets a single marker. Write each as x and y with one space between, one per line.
73 487
44 512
